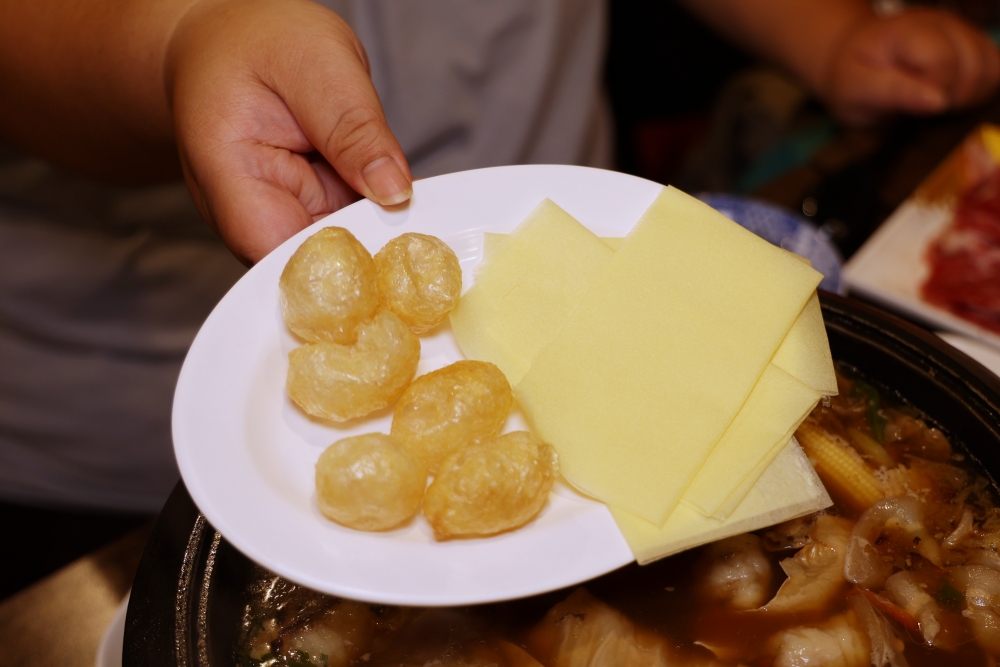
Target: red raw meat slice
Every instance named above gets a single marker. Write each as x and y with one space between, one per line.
965 259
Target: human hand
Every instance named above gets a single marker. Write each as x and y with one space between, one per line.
276 119
920 62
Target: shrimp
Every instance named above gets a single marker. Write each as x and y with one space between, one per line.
908 593
886 647
864 566
816 572
740 573
981 586
836 643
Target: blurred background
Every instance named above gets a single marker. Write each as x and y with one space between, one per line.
724 122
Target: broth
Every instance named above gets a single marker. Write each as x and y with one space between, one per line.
912 580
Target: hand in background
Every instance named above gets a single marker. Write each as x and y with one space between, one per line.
920 62
276 119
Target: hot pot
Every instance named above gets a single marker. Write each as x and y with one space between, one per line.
189 592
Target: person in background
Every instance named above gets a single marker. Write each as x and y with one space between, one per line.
278 112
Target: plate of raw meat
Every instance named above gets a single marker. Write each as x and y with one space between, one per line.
937 257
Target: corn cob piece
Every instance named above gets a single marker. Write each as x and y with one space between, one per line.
841 469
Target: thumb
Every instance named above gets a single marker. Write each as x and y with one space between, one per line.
334 102
277 119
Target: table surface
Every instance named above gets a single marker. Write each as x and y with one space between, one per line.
59 621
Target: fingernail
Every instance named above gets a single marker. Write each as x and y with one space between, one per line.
387 182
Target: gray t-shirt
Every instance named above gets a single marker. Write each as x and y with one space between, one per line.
103 288
470 83
101 292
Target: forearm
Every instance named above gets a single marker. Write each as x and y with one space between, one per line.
801 35
83 85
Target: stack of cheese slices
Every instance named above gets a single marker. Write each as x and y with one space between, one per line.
669 369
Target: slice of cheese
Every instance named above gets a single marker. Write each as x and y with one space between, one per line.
739 492
789 488
770 415
764 424
493 240
524 293
768 418
661 353
805 352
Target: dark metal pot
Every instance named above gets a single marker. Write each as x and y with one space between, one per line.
188 595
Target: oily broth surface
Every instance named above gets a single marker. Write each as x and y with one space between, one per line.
666 598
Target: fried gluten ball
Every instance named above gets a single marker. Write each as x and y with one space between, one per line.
328 287
368 482
341 382
497 485
451 408
419 279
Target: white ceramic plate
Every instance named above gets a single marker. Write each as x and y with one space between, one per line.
987 355
247 454
891 267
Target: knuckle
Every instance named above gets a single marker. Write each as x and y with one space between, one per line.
355 135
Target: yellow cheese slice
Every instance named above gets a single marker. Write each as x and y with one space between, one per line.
766 421
739 492
805 352
789 488
493 240
524 292
661 353
764 424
